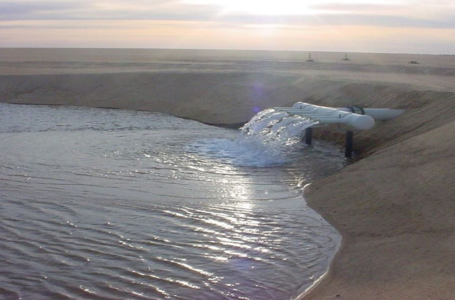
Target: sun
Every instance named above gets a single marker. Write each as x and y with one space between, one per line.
263 7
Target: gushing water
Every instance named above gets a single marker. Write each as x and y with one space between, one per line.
276 127
271 138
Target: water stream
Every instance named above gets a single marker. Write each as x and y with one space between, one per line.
115 204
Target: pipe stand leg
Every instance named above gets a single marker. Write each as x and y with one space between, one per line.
308 135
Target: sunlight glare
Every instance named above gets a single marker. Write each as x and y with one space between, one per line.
285 7
265 7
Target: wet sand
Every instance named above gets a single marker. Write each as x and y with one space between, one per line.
394 207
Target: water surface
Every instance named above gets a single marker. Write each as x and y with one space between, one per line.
113 204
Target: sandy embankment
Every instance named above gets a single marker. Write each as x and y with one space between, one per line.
395 208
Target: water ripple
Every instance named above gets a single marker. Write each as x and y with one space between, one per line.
111 204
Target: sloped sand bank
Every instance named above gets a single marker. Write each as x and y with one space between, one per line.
395 208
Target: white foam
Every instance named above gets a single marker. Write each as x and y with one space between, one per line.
265 141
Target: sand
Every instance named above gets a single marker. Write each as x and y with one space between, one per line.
394 207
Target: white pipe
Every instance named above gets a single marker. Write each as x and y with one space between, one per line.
383 114
379 114
331 115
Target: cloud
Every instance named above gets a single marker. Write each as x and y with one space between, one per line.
341 20
388 21
99 10
18 10
355 8
178 23
337 14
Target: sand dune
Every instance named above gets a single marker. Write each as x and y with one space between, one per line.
394 207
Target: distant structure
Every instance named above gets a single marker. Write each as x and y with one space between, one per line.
346 57
309 58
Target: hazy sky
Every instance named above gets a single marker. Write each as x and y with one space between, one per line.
397 26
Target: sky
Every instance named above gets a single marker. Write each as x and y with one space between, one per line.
386 26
